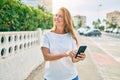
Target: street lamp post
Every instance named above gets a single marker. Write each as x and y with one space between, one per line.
99 8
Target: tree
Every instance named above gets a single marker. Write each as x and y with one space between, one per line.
96 23
42 8
15 16
110 24
80 24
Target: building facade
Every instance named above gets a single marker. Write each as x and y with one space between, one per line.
36 3
79 21
33 3
47 4
114 18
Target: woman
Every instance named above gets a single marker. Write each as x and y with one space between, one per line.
59 47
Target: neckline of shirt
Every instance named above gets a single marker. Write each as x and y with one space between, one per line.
59 34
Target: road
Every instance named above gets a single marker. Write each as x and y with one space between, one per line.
103 58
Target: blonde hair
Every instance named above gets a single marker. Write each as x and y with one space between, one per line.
68 23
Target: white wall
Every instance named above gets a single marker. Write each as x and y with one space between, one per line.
16 63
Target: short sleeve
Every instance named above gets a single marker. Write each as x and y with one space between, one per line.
45 41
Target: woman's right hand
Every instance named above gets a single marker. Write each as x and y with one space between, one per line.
80 57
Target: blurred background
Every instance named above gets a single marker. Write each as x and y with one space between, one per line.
96 23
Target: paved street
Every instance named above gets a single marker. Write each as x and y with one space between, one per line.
103 58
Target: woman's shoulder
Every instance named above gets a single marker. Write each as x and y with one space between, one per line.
46 32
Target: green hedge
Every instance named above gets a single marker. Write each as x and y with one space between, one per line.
15 16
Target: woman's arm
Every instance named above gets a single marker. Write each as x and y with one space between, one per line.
50 57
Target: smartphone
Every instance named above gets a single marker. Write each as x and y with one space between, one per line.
81 50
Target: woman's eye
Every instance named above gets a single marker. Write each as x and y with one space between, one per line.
56 15
60 16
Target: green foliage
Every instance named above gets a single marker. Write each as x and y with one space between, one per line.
101 28
80 24
96 23
73 24
118 27
42 7
15 16
110 24
2 2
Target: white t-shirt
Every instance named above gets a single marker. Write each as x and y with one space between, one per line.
64 68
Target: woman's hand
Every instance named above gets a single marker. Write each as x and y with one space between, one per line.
80 57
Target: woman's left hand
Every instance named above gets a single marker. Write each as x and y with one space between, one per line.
80 57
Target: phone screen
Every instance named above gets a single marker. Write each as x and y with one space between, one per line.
81 50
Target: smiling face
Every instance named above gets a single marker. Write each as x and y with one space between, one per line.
59 19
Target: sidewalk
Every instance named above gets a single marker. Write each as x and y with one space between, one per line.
37 74
87 69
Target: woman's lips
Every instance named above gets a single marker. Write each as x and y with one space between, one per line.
57 21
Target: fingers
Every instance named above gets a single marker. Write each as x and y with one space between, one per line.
72 53
81 56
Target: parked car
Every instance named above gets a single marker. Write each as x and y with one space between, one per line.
116 31
109 30
82 30
93 32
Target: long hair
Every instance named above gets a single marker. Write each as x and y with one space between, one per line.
68 24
